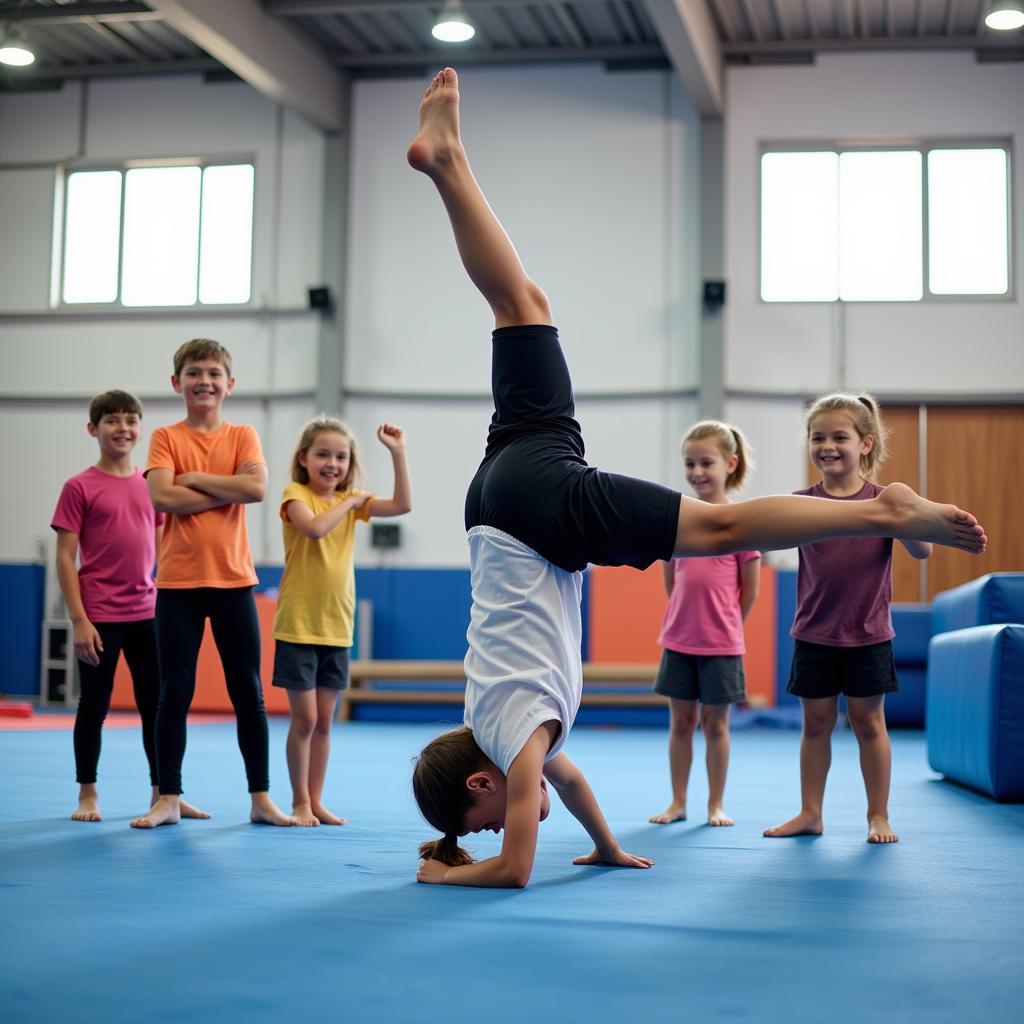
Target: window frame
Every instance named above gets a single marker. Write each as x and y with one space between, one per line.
117 305
924 147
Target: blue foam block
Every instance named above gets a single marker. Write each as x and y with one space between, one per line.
975 708
997 597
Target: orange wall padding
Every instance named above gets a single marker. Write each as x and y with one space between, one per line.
211 690
625 613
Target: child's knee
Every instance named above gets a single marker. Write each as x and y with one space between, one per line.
868 727
818 725
714 723
304 725
527 304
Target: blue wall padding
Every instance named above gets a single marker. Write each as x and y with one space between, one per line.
906 707
976 708
785 610
913 626
21 625
997 597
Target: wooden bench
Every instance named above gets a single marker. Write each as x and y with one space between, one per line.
603 684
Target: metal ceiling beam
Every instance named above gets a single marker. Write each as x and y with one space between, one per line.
525 55
288 8
48 72
963 42
80 13
688 35
264 53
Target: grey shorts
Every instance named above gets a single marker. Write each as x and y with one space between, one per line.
709 678
308 666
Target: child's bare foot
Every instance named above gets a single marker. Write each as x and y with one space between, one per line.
804 824
438 138
166 811
187 810
88 809
918 518
325 816
880 831
717 816
674 812
266 812
303 815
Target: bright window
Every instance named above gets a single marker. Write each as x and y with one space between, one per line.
851 225
159 236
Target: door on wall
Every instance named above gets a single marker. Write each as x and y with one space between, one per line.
970 456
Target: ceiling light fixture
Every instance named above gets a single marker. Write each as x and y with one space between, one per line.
14 48
452 24
1005 15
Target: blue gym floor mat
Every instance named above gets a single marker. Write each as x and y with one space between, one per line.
223 921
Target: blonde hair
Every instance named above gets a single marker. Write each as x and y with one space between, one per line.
730 441
324 424
201 348
866 414
439 785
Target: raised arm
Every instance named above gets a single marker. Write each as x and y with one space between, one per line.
88 645
167 495
575 792
247 485
511 868
400 502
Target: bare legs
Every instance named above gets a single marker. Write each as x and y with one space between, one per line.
786 521
486 251
867 719
714 723
307 750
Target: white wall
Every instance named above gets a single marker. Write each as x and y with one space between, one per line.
595 175
944 349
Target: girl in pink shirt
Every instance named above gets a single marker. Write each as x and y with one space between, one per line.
709 599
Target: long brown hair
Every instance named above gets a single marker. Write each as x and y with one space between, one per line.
866 414
439 785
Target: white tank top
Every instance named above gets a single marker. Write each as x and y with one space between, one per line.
523 667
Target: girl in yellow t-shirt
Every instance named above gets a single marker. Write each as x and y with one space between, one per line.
316 607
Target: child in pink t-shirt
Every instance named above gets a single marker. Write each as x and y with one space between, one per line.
106 522
702 633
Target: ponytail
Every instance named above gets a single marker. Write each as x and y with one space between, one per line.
446 850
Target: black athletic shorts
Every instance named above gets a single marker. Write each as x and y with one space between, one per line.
534 483
822 671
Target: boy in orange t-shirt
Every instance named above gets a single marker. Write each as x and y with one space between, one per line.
200 473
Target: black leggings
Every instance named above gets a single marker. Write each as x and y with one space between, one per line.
534 482
138 641
180 620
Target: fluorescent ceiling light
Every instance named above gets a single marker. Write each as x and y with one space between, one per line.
452 25
1005 15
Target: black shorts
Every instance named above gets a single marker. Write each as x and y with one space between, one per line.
822 671
709 678
310 666
534 483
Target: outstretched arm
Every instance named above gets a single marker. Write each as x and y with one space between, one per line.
918 548
511 868
167 495
400 502
574 791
